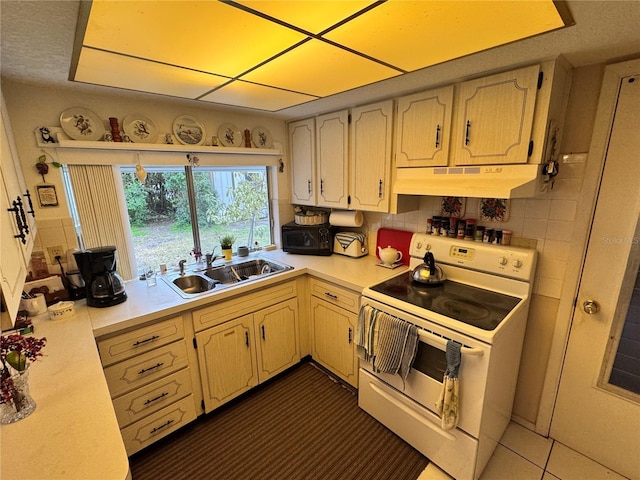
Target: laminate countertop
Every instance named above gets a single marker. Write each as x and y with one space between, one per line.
73 434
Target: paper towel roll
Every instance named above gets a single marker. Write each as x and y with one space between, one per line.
346 218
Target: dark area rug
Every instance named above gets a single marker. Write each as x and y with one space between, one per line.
302 426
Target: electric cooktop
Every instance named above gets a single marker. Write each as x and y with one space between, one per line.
474 306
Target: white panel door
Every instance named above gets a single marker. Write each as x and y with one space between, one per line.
597 411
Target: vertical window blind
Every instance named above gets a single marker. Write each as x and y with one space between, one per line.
102 212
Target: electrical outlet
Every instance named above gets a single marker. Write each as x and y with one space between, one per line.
55 251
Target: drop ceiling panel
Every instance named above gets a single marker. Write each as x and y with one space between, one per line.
313 16
413 35
208 36
103 68
250 95
318 68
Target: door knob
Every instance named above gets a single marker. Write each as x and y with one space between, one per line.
590 307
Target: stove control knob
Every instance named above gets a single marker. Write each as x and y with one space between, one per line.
503 260
516 263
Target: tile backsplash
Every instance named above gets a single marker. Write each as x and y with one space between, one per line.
55 232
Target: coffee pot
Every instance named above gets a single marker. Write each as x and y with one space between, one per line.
104 286
389 255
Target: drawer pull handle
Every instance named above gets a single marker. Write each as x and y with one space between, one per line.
155 399
145 370
331 296
150 339
164 425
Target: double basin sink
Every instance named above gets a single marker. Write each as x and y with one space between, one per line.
199 281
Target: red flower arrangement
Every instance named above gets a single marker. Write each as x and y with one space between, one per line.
15 353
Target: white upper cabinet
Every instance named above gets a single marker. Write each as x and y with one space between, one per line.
302 146
17 223
370 157
494 118
332 150
423 128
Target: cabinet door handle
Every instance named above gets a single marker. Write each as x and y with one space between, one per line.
155 399
380 189
16 212
31 211
309 186
145 370
321 185
23 216
262 328
467 133
246 339
350 335
150 339
164 425
331 296
437 136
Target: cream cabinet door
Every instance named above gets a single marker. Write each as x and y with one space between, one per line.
494 117
333 330
227 361
370 157
332 141
302 146
277 338
423 128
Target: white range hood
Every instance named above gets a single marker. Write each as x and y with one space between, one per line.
495 181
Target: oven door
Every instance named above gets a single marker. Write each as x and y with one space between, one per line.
424 382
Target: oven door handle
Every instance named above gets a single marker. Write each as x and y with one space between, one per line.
443 343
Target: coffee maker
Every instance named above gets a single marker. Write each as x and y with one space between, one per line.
104 287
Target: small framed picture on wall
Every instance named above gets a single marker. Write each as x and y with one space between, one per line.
47 195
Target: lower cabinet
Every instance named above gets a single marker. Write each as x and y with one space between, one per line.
334 314
237 354
148 375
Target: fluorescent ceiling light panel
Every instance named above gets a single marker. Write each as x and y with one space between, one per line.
318 68
250 95
208 36
414 35
201 49
109 69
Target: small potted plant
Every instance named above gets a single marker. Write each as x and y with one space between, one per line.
226 243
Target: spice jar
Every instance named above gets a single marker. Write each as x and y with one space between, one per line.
435 227
470 229
506 237
453 227
444 227
479 233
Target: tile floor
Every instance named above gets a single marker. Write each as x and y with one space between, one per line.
524 455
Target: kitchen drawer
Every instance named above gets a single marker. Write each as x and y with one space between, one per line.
126 376
126 345
221 312
151 398
157 425
342 297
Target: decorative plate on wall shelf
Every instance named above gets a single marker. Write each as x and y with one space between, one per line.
140 128
81 124
261 137
229 135
188 130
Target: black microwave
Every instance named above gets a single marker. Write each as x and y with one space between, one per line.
308 239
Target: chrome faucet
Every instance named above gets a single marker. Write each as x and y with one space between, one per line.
212 258
181 266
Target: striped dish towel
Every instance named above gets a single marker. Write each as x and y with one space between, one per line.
347 238
366 333
397 345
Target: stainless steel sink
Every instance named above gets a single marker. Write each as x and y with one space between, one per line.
191 284
197 282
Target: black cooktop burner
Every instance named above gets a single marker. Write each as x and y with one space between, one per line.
474 306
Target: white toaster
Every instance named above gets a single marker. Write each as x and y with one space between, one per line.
351 244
